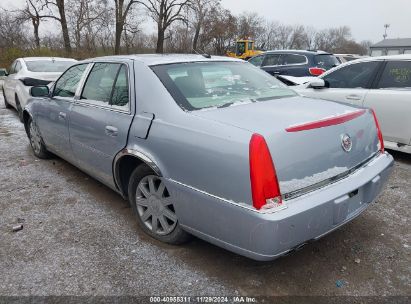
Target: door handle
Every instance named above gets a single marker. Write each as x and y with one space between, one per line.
111 131
353 97
62 115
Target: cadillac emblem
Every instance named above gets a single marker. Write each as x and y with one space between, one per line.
346 142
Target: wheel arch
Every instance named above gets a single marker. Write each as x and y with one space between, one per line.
124 164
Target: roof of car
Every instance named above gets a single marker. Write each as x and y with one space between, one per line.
158 59
368 59
312 52
47 58
390 57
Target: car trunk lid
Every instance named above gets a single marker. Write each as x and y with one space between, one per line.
305 136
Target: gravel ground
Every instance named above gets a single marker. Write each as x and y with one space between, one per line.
80 238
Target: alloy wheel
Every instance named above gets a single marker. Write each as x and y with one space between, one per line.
154 205
35 138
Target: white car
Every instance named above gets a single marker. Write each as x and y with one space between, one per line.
3 73
348 57
380 83
27 72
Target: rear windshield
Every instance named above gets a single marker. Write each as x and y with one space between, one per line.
48 65
203 85
326 61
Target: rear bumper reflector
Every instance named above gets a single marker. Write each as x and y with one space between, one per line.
336 120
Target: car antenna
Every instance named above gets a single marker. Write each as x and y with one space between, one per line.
204 54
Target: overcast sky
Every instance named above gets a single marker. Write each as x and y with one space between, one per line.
366 18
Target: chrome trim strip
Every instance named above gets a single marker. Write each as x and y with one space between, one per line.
329 181
242 205
290 195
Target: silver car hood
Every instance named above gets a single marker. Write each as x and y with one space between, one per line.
307 157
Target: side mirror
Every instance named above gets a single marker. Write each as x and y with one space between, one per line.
317 84
40 91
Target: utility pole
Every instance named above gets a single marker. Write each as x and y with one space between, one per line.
386 26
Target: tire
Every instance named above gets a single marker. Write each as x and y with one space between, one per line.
19 109
153 207
6 104
36 142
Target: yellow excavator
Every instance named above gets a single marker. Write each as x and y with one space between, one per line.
244 50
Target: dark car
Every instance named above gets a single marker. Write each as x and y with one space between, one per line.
295 62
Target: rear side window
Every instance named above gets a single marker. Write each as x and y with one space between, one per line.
120 98
67 84
100 82
357 75
271 59
326 61
397 74
18 66
288 59
107 85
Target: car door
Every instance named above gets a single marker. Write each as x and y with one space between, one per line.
53 114
391 100
100 118
347 84
11 82
293 65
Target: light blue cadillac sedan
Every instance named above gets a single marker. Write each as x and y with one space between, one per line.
212 147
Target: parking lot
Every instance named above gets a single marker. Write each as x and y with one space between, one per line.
81 238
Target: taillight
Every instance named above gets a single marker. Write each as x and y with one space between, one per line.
316 71
381 139
264 183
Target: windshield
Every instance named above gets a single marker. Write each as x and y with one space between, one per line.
48 65
326 61
240 48
203 85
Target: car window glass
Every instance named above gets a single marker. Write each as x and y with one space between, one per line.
240 48
352 76
271 59
100 82
67 85
12 68
49 65
120 98
18 67
293 59
250 46
221 84
397 74
326 61
257 61
407 52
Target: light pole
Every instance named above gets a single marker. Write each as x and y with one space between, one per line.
386 26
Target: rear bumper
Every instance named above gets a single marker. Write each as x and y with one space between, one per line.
266 236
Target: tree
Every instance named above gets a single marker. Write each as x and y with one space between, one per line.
200 9
165 13
122 10
220 30
60 5
81 17
33 14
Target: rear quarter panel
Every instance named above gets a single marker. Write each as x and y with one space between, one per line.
200 153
